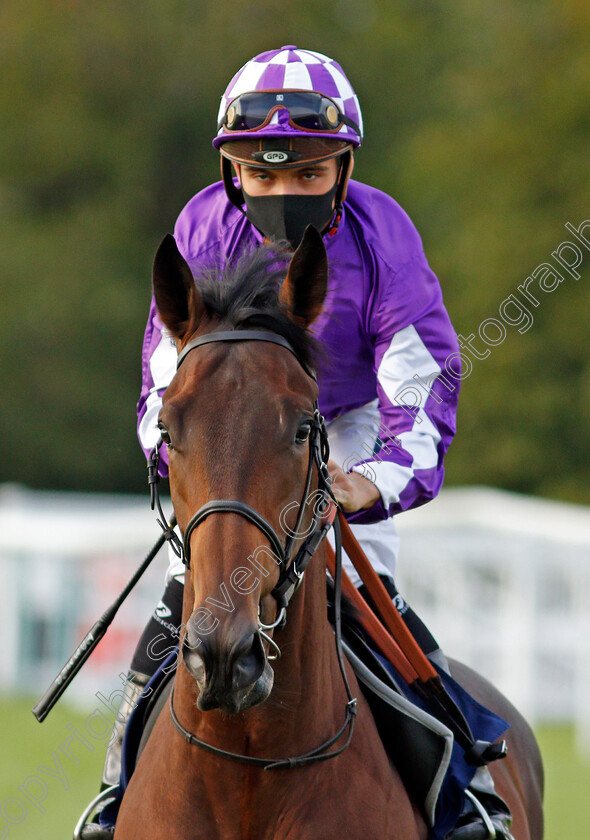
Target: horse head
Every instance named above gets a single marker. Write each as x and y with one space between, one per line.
236 419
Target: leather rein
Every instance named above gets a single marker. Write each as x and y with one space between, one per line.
291 568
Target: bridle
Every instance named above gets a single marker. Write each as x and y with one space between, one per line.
292 568
324 509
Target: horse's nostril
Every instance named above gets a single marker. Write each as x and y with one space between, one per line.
249 662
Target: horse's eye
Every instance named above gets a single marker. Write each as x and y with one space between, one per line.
302 434
164 434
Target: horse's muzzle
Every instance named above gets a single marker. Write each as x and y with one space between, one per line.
231 676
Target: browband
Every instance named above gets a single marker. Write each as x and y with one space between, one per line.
241 335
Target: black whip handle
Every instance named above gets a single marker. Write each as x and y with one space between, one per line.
90 640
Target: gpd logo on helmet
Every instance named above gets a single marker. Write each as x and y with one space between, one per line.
275 157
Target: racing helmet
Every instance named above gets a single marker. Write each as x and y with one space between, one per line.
285 108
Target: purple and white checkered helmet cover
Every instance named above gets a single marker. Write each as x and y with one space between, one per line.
290 68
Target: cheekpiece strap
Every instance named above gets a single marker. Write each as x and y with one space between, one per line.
153 482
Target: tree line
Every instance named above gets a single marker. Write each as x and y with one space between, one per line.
477 122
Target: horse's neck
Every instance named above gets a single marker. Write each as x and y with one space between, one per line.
307 702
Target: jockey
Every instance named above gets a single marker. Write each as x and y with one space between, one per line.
288 126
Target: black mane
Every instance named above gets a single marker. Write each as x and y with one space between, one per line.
246 295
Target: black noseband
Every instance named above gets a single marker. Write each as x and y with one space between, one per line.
233 506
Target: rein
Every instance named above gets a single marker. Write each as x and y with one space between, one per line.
292 569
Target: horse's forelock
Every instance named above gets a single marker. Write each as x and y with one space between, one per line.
245 293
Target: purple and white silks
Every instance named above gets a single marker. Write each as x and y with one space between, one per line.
393 374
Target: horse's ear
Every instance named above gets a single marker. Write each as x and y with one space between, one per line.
304 289
177 298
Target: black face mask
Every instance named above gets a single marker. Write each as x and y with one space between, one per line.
287 216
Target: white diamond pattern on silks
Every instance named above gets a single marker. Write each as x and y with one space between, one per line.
308 57
296 69
245 80
282 57
297 76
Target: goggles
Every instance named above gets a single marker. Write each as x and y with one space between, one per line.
308 111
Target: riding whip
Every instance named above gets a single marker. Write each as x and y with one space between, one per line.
91 639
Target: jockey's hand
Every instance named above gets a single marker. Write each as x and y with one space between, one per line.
352 490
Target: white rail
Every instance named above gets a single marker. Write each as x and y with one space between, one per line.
502 580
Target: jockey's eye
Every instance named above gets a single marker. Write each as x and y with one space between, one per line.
164 434
302 434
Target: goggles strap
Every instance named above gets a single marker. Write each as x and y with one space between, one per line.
235 194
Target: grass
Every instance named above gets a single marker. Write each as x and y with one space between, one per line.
567 785
62 794
28 746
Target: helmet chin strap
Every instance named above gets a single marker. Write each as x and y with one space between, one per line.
235 194
344 173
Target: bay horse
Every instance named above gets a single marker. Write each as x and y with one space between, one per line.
239 420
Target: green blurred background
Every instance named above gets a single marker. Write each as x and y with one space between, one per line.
477 117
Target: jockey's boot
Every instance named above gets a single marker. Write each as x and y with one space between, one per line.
132 691
485 815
